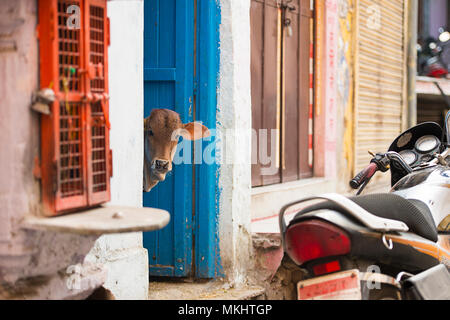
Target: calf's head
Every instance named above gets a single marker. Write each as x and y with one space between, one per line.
162 130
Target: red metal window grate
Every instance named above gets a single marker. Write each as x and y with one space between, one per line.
69 49
96 23
99 169
76 162
98 133
71 156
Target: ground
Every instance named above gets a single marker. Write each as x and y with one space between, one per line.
181 289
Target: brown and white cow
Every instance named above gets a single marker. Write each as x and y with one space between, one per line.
162 130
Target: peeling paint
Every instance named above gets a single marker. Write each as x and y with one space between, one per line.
234 112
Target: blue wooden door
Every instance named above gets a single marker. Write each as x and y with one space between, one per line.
181 62
168 83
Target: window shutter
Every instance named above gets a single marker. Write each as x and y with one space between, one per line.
281 88
380 69
75 154
265 84
99 161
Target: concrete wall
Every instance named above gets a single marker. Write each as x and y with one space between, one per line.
35 259
19 128
266 201
240 203
124 255
438 16
29 260
234 115
338 98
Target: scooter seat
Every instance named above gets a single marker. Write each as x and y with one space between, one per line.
414 213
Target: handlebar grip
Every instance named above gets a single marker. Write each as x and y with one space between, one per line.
359 179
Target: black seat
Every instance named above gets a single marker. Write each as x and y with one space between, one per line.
414 213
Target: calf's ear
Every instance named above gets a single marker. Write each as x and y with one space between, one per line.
194 131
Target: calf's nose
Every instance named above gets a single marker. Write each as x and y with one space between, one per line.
161 165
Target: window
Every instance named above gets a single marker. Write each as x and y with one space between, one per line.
282 89
76 162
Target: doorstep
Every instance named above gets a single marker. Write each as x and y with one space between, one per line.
202 290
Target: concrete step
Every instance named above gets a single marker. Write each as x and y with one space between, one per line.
202 290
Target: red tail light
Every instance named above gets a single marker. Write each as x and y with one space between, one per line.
314 239
328 267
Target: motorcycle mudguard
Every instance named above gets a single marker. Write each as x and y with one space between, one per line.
432 284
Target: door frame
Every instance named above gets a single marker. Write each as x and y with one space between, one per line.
207 192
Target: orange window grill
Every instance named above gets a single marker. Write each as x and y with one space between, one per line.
76 163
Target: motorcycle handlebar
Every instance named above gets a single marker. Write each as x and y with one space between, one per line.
365 174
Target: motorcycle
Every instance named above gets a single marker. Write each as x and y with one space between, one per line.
433 56
393 245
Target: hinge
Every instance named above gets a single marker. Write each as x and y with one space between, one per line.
110 163
37 168
195 87
52 29
108 32
55 176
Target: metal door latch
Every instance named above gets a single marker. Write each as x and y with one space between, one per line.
42 99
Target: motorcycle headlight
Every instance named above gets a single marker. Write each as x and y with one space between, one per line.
444 36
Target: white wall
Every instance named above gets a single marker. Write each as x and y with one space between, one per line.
124 255
234 113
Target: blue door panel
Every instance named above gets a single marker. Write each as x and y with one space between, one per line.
168 54
207 257
171 30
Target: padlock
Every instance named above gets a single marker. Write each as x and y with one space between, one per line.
289 30
288 27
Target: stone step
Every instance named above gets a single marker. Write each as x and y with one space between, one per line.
202 290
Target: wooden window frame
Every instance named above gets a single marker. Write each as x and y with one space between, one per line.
76 160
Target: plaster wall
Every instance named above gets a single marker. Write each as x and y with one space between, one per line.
19 127
234 126
438 16
123 255
29 255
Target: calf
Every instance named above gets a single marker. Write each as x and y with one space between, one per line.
162 130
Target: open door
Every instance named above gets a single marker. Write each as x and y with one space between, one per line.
169 83
180 73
